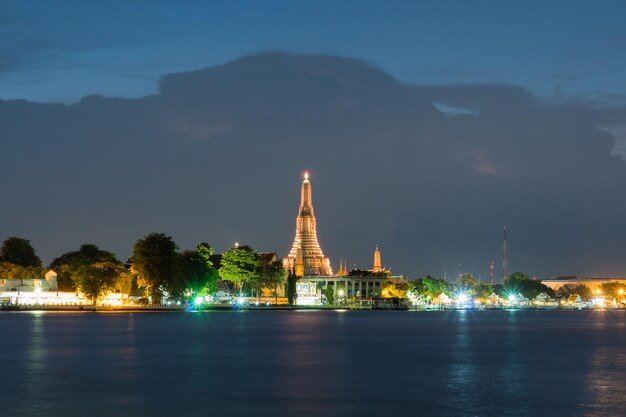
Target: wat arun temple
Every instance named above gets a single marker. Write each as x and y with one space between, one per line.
306 257
313 269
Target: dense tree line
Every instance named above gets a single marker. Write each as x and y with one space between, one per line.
160 271
67 265
157 269
244 267
518 284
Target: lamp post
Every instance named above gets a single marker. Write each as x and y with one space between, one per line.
341 293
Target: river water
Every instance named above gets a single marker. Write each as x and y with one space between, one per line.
322 363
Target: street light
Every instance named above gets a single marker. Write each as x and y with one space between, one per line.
340 294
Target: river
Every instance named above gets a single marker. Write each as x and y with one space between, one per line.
306 363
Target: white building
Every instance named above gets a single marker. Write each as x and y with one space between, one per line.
14 284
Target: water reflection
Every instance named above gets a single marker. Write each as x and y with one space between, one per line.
462 374
315 364
512 374
314 355
35 379
606 391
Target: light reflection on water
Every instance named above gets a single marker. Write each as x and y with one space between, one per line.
605 376
462 371
35 364
463 363
511 374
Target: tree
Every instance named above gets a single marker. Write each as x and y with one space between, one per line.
416 291
391 290
519 283
367 273
614 289
292 280
582 290
126 282
66 265
19 251
500 290
436 286
96 279
329 293
483 290
6 270
205 251
9 270
240 265
196 271
465 284
272 276
155 261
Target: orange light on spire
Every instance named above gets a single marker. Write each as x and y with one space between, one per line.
306 175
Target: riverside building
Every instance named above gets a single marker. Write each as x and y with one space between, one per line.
569 283
44 291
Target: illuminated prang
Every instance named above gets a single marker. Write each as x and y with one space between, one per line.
306 256
377 264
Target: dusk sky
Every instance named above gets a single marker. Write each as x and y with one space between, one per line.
426 127
63 50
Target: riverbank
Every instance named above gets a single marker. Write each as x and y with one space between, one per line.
90 308
134 309
234 307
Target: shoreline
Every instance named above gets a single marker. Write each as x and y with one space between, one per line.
165 309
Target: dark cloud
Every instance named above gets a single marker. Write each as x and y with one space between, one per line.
217 156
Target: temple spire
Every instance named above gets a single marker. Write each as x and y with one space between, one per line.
377 264
306 197
306 255
340 273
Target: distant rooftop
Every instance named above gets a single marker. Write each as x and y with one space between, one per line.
582 279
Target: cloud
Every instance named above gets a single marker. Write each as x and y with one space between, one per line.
216 156
16 49
566 76
454 111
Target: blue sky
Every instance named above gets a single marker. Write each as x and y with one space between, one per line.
63 50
